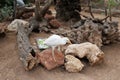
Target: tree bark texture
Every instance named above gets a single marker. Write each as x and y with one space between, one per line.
66 9
26 52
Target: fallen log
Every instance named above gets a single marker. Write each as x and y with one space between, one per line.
23 10
94 31
26 52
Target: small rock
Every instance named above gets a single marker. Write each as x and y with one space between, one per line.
47 60
73 64
27 15
54 23
87 49
14 24
48 17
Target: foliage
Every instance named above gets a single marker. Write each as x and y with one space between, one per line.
5 12
6 8
3 3
112 3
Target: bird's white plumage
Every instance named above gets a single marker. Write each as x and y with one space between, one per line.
55 40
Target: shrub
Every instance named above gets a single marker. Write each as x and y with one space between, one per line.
5 12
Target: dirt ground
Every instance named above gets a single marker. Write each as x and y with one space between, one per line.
11 67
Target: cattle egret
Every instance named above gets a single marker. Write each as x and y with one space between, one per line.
56 41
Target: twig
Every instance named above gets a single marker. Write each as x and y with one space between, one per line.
82 14
89 5
105 18
105 5
110 13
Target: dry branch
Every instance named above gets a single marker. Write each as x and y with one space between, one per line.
27 53
89 5
40 12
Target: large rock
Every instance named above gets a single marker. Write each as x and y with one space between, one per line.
87 49
14 24
47 60
73 64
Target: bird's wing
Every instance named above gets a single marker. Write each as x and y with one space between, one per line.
53 40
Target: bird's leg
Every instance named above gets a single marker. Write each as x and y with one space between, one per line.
59 48
53 52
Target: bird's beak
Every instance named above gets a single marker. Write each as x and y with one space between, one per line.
69 42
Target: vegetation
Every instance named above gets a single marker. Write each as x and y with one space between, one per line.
6 9
6 6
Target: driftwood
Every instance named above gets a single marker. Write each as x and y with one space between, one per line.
38 22
27 53
20 11
94 31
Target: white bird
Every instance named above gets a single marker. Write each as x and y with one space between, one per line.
56 41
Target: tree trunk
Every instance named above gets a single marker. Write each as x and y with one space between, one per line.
26 52
40 12
66 9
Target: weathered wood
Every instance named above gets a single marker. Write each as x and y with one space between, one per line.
22 10
90 8
27 53
94 31
40 11
66 9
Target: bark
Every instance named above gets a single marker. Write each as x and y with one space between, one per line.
20 11
26 52
40 12
95 31
66 9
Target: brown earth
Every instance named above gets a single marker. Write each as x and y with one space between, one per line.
11 67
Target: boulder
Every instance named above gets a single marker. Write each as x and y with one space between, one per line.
87 49
47 60
14 24
73 64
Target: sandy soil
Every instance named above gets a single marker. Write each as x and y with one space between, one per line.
11 67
